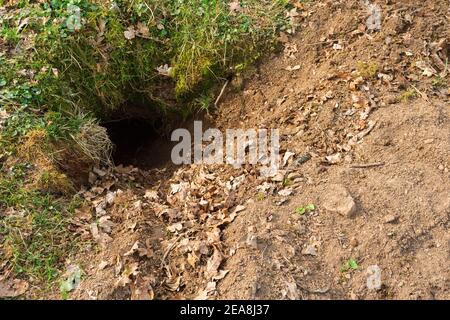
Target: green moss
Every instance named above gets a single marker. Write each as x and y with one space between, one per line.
407 95
368 70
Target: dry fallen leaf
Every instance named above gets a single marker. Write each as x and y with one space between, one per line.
192 259
428 71
165 70
10 288
286 157
220 275
235 7
203 295
142 30
142 290
151 195
173 284
334 159
291 291
130 33
213 264
105 224
175 227
133 249
289 50
129 271
239 208
292 13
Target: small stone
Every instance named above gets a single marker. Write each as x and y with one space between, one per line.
441 167
279 177
354 242
374 277
390 218
103 264
285 192
428 141
338 200
252 241
334 159
281 202
240 208
204 204
391 99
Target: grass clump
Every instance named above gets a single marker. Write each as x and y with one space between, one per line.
439 82
34 235
408 95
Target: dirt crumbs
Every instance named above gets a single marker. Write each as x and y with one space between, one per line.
360 208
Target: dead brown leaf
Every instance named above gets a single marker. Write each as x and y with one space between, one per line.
10 288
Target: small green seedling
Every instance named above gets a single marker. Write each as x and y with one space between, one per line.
302 210
350 264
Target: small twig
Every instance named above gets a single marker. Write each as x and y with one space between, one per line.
221 93
423 95
321 42
367 165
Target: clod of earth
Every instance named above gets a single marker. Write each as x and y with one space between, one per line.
338 200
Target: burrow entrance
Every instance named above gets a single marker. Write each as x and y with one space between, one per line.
139 142
141 133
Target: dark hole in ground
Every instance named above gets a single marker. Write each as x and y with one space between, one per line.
139 143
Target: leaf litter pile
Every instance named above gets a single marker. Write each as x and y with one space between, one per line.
189 212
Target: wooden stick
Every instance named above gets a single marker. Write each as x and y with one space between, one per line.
221 93
367 165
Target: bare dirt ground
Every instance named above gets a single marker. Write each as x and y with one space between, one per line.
364 122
